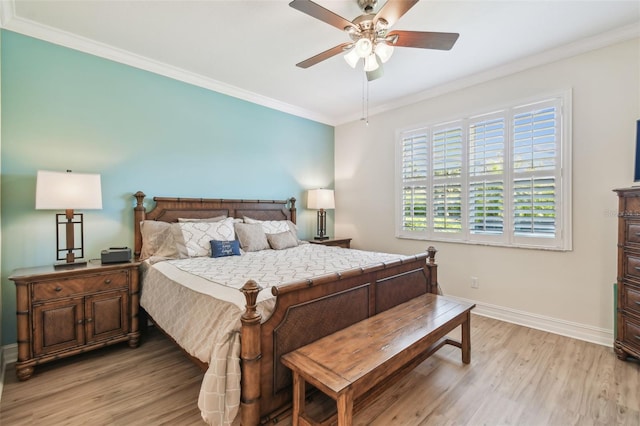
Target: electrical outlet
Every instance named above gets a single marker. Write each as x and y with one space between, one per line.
475 282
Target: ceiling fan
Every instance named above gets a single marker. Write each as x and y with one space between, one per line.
371 39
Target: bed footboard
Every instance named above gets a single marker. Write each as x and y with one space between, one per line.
310 309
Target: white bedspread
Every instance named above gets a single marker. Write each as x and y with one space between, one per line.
197 301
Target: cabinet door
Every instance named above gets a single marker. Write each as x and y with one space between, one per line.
58 325
107 315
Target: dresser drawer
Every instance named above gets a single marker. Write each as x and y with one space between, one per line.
632 266
631 300
632 231
631 332
78 285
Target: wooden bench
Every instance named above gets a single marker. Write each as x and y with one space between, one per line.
356 364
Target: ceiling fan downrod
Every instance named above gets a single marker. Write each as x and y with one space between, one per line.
367 6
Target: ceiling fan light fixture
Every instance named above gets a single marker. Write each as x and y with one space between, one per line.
363 47
371 63
352 58
384 51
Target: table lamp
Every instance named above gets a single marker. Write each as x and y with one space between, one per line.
321 199
68 191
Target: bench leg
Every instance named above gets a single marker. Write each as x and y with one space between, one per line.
466 339
298 397
345 408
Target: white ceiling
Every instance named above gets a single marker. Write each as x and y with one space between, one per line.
249 49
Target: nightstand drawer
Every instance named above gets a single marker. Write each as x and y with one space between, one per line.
81 285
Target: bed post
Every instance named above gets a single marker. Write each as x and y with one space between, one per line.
138 216
292 209
433 270
250 355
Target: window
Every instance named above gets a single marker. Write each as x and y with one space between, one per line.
497 178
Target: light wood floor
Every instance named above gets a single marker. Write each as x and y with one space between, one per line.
517 376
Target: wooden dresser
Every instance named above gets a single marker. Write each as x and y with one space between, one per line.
67 311
628 314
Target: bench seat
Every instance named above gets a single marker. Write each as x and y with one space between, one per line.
361 360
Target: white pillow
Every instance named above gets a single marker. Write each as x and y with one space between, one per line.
198 235
275 226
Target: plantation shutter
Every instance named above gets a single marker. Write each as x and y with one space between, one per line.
486 174
536 170
415 157
447 143
498 178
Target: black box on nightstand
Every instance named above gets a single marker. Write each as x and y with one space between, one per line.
116 255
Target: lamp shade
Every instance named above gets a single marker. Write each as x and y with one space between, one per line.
320 199
384 51
371 63
363 47
352 58
67 190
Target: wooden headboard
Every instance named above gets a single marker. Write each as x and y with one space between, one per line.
169 209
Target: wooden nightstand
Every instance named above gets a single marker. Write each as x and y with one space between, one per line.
64 312
340 242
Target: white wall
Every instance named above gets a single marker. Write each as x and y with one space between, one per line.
555 290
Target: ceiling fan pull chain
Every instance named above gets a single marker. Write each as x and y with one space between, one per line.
363 89
365 99
367 115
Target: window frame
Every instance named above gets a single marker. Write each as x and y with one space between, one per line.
562 241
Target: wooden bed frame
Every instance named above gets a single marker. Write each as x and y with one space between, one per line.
305 310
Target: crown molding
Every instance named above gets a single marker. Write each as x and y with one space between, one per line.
11 22
599 41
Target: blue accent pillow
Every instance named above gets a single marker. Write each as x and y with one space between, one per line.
225 248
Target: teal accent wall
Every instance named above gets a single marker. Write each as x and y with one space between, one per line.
63 109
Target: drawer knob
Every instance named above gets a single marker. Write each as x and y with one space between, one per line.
58 289
107 281
89 319
80 321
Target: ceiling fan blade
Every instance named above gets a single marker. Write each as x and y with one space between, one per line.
394 9
324 55
424 40
325 15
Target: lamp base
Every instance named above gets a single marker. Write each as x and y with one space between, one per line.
321 238
74 264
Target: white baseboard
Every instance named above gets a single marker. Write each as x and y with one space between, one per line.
575 330
8 354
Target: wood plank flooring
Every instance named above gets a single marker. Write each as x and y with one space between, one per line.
517 376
